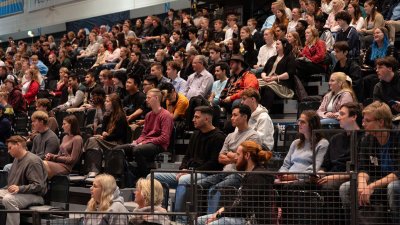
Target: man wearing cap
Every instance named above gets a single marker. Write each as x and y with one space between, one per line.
26 181
15 97
201 81
240 79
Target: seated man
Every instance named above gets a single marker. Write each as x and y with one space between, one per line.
256 192
40 65
91 50
349 34
227 156
387 90
378 163
135 98
15 97
201 155
177 103
156 134
260 120
338 152
45 141
26 180
348 66
240 80
172 72
201 81
75 95
221 72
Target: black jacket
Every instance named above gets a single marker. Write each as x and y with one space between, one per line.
255 196
287 64
387 92
203 150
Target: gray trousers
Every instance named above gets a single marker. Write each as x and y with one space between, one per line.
16 202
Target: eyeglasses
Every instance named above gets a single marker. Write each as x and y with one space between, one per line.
368 121
145 84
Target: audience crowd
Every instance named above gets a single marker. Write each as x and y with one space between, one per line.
149 81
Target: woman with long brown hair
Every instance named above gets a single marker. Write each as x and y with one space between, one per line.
70 149
374 20
115 130
302 150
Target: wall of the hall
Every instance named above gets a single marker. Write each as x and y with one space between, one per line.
51 20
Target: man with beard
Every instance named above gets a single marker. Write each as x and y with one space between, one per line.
227 156
255 197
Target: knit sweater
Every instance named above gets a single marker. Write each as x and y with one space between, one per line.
29 175
157 128
45 142
301 159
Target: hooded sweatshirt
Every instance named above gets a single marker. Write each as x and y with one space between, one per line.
117 206
261 122
158 219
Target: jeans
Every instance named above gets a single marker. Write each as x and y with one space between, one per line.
17 202
214 183
180 194
393 194
221 221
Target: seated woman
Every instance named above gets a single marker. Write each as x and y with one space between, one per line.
294 39
331 23
70 149
380 48
249 53
313 55
300 156
341 93
30 88
115 131
374 20
143 194
63 82
102 55
278 74
105 197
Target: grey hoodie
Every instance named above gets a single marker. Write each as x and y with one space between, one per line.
148 217
261 122
114 219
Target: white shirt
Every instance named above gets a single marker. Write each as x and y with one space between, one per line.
359 23
228 35
265 53
292 26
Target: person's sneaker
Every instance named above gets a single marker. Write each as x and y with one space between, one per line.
92 174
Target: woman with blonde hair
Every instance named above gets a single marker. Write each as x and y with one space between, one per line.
143 195
341 93
30 88
337 6
105 197
312 56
